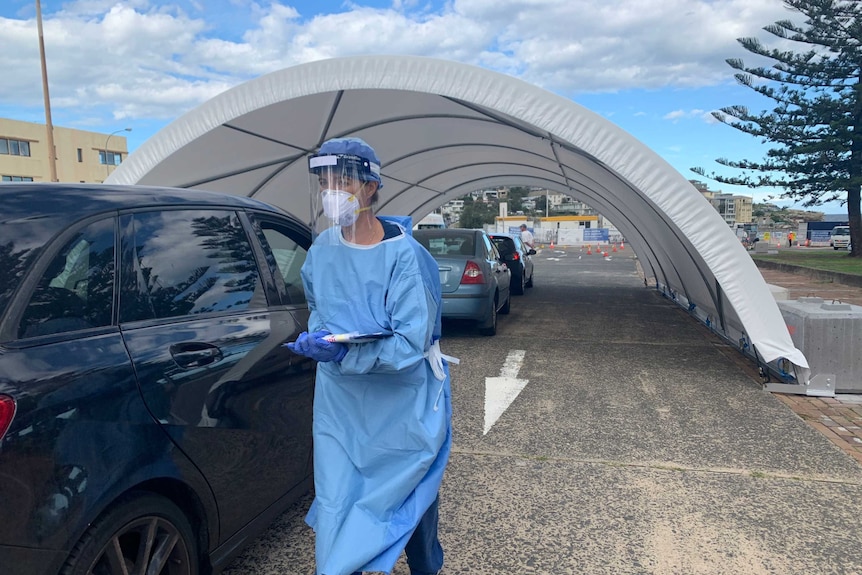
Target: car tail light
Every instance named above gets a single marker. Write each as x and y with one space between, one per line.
516 256
472 274
7 413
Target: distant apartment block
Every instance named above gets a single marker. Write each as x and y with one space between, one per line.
561 204
82 156
735 209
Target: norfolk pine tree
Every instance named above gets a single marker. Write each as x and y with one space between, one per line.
816 125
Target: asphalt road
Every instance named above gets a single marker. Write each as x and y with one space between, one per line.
638 445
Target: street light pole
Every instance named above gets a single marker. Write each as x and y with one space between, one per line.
107 165
52 153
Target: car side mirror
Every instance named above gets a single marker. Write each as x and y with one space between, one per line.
532 252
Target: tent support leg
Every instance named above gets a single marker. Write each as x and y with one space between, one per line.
820 385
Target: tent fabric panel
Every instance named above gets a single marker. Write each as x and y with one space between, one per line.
300 130
225 150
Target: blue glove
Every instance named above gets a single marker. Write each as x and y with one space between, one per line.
317 348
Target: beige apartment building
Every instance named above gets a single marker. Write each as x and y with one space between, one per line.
733 208
744 208
81 156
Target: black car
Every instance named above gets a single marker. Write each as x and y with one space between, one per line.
518 257
150 419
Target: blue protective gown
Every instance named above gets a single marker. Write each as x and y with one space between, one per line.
382 420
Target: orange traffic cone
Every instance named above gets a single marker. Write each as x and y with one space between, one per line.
552 244
614 248
622 245
589 249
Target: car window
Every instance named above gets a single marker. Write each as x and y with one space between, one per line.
288 256
77 289
505 246
491 252
186 262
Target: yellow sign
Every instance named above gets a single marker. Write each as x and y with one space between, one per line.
766 236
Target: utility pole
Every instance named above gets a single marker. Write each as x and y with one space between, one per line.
52 151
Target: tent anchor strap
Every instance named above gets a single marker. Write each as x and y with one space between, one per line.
820 385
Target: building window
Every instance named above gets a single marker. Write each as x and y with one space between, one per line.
80 155
110 158
14 147
16 178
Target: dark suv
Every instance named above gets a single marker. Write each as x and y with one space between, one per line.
150 419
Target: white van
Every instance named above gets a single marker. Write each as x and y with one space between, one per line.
840 237
431 222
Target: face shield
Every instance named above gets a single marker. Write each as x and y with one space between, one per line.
338 189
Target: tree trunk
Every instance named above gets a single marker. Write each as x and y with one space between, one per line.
855 173
855 221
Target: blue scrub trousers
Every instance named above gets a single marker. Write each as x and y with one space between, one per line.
424 552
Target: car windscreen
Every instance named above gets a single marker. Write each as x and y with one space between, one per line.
446 244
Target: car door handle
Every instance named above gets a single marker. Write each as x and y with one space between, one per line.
195 354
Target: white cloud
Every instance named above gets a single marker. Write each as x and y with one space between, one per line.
709 118
148 58
696 113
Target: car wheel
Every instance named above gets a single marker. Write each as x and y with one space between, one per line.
144 533
529 283
520 284
491 327
508 305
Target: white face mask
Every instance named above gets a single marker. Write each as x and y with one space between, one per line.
341 207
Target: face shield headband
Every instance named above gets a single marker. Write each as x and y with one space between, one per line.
346 163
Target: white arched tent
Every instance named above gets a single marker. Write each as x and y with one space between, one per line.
443 129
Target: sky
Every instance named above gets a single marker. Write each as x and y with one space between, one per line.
656 68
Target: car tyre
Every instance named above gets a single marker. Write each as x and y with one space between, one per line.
491 327
520 288
144 533
506 308
529 283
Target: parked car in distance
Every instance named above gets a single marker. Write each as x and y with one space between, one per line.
473 275
840 237
518 257
150 419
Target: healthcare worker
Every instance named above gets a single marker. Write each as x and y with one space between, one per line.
382 408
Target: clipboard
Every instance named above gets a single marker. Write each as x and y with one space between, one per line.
356 337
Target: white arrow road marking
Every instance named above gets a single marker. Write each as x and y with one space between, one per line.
501 391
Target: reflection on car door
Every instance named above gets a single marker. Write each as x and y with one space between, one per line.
501 274
204 329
